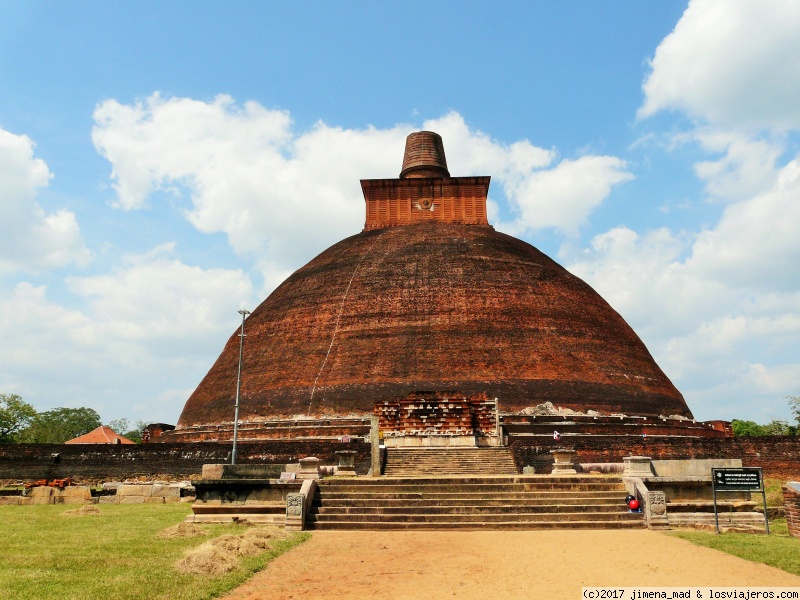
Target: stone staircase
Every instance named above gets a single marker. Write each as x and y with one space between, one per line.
421 462
499 502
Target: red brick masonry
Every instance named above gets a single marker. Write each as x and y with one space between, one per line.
791 503
776 455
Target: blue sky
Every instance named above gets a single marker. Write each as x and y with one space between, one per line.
164 164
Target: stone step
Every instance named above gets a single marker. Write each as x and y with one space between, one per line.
470 509
553 497
478 525
560 480
520 500
217 509
473 488
473 517
472 502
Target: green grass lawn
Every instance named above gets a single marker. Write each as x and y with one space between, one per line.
777 549
112 555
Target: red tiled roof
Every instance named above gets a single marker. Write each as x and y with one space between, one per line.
101 435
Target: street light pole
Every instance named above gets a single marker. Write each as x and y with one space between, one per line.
244 314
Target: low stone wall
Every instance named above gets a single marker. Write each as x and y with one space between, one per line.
74 494
777 455
94 463
143 494
791 504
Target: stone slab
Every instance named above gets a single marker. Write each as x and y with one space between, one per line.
134 490
694 467
131 500
75 492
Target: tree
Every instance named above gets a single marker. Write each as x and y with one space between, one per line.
15 415
135 434
794 405
751 428
745 428
60 425
121 426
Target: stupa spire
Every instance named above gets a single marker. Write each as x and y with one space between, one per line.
424 156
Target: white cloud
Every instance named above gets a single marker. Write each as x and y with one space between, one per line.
282 197
560 197
156 297
733 67
279 197
153 321
735 63
747 166
32 239
731 308
563 197
756 243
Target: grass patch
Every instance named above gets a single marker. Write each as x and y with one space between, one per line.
772 487
776 550
115 554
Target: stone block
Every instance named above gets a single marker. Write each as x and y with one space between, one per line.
131 500
153 500
637 466
41 492
134 490
76 492
309 468
697 467
213 471
170 492
42 500
108 500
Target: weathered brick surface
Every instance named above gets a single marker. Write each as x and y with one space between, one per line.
517 425
429 297
99 462
439 413
392 202
777 456
319 429
424 156
791 504
432 306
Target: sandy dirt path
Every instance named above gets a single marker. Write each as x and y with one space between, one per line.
549 565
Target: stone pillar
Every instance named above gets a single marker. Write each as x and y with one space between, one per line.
347 463
374 439
563 461
637 466
656 509
309 468
295 512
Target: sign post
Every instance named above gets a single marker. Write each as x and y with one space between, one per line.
738 480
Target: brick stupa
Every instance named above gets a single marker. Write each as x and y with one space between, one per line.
424 318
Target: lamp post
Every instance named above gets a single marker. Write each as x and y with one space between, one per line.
244 314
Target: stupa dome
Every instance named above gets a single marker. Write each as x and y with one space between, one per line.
429 297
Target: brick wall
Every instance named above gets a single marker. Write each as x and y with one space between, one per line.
791 503
778 456
103 462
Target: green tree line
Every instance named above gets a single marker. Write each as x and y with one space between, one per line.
774 427
22 423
